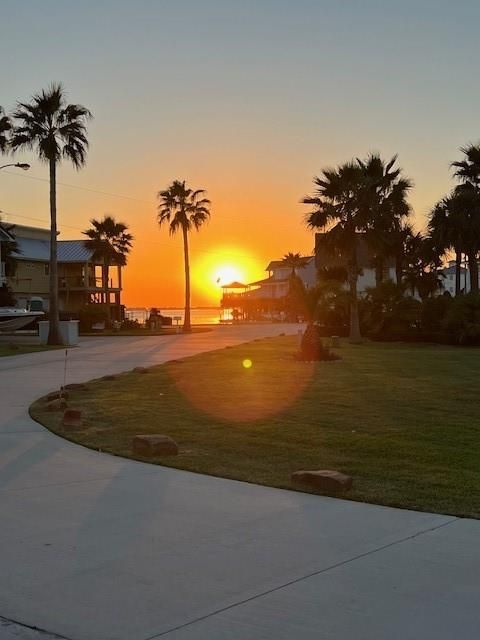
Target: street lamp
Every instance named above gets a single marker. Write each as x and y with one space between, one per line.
20 165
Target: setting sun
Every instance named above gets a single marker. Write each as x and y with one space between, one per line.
222 266
227 273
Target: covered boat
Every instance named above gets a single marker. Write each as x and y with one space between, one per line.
12 319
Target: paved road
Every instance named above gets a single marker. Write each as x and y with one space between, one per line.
94 547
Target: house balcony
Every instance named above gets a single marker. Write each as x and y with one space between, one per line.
231 299
81 283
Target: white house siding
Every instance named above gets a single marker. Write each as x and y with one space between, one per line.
367 278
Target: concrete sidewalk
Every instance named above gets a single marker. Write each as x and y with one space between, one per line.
95 547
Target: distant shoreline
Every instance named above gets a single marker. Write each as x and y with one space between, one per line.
173 308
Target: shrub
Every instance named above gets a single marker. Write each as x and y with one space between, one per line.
462 320
92 314
129 324
433 314
388 315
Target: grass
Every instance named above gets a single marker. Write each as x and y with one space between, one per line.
12 349
403 420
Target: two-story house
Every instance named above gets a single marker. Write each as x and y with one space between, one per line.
79 273
5 237
277 284
266 298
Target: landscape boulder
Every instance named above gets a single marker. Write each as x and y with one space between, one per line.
324 479
154 445
72 419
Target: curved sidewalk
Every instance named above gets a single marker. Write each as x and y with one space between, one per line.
95 547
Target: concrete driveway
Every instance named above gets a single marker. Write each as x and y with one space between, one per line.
95 547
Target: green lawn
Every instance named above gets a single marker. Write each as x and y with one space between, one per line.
12 349
403 420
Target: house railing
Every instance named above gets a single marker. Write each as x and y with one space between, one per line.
82 282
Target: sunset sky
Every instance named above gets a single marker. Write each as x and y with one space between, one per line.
247 99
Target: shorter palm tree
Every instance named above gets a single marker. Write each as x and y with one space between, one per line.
111 243
294 261
183 209
446 231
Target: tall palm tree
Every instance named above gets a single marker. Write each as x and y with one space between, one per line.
111 243
387 208
446 227
337 209
183 209
5 128
468 169
367 197
294 261
422 273
55 131
467 196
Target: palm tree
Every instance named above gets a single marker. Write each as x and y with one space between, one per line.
294 261
56 131
446 230
5 128
422 271
387 209
338 211
111 243
467 196
183 209
468 169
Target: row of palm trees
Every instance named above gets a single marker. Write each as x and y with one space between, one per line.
55 130
368 199
454 223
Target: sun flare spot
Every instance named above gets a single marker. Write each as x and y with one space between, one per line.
247 363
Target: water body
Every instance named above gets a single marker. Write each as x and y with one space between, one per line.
199 315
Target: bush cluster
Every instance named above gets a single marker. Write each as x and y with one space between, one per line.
388 315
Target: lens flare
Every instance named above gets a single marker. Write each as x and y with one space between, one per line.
241 389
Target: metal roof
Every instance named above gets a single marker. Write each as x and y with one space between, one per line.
39 250
234 285
6 235
268 281
281 264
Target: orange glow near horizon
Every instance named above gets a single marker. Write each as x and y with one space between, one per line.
221 266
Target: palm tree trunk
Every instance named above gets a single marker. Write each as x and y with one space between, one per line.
187 326
105 286
378 272
54 336
355 335
399 268
458 272
473 268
